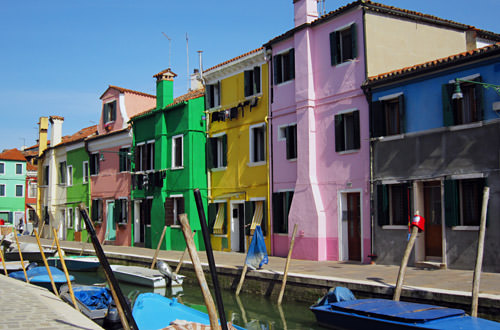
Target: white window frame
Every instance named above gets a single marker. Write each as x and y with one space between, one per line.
120 222
22 190
219 155
175 210
20 164
281 69
85 169
70 218
4 190
174 149
32 185
251 146
69 175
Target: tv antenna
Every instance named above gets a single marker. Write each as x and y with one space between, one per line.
169 50
187 60
322 7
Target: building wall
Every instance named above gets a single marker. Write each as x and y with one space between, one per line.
10 203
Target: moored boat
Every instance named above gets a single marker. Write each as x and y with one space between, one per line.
139 275
76 263
40 277
29 251
339 309
13 266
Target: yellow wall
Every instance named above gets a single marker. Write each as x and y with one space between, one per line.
393 43
249 181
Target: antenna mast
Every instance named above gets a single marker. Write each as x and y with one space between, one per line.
169 50
187 60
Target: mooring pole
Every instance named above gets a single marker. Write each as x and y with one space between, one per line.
210 257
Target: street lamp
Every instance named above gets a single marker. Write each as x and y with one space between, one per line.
457 95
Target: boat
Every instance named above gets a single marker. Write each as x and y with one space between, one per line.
93 301
30 252
76 263
153 311
339 309
13 266
40 277
145 276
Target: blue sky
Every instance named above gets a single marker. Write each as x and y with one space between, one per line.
57 57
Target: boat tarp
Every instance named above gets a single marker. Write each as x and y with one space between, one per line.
93 297
40 275
396 310
257 252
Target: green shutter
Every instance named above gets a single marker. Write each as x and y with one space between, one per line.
333 48
224 230
169 211
209 96
212 214
451 206
354 41
357 133
211 152
339 133
447 92
382 205
224 149
117 211
263 224
249 209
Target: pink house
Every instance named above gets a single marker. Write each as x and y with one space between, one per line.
110 155
319 118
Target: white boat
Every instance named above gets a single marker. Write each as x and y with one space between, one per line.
139 275
76 263
13 266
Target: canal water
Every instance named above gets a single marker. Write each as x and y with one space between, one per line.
253 312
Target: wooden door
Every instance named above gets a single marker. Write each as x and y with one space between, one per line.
354 226
433 219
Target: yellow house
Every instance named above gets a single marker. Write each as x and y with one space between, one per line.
237 159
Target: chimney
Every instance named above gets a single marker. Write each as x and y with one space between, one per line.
195 80
305 11
164 88
43 127
56 131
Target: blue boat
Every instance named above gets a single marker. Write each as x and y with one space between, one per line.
153 311
39 276
339 309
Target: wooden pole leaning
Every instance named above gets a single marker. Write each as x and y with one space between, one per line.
285 274
404 263
243 274
21 258
207 297
46 263
54 241
158 247
480 250
3 260
63 263
181 260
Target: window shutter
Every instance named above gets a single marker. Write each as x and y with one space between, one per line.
339 133
224 149
256 79
377 119
181 206
248 84
218 93
451 206
276 65
382 205
288 142
447 92
479 91
333 48
94 210
169 211
354 41
211 152
117 210
225 219
278 217
209 96
263 224
291 58
357 133
212 214
402 118
113 111
406 200
249 209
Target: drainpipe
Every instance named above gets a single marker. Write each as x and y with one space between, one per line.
269 120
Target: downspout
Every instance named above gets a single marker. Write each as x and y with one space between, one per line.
269 120
89 182
207 129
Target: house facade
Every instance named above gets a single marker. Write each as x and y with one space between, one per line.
237 151
317 70
435 145
169 163
12 188
109 164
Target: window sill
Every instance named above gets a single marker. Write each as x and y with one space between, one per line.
292 160
122 224
253 164
465 228
218 169
466 126
346 152
395 227
283 83
218 235
176 168
346 62
176 226
214 109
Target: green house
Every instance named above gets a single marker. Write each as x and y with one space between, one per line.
168 164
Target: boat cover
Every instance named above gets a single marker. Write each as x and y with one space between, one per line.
396 310
40 275
93 297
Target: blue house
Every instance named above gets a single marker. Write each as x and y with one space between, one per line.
434 131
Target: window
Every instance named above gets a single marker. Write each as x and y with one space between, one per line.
144 156
289 134
46 214
32 215
217 218
70 175
387 117
258 143
252 81
174 206
97 210
463 201
217 152
2 190
32 189
124 159
85 167
62 172
19 168
347 131
70 218
467 109
109 112
255 215
46 175
284 66
394 204
212 95
282 201
121 211
19 190
177 154
94 163
343 45
2 168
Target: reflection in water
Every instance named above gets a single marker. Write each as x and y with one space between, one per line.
253 312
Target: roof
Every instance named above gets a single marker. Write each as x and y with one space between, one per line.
178 100
125 90
31 167
79 136
98 136
390 10
234 59
433 65
12 154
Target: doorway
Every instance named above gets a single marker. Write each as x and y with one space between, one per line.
139 228
237 227
353 226
110 221
433 221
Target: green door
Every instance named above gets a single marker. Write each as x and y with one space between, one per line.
110 221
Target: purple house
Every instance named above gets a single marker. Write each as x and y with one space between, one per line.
319 118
